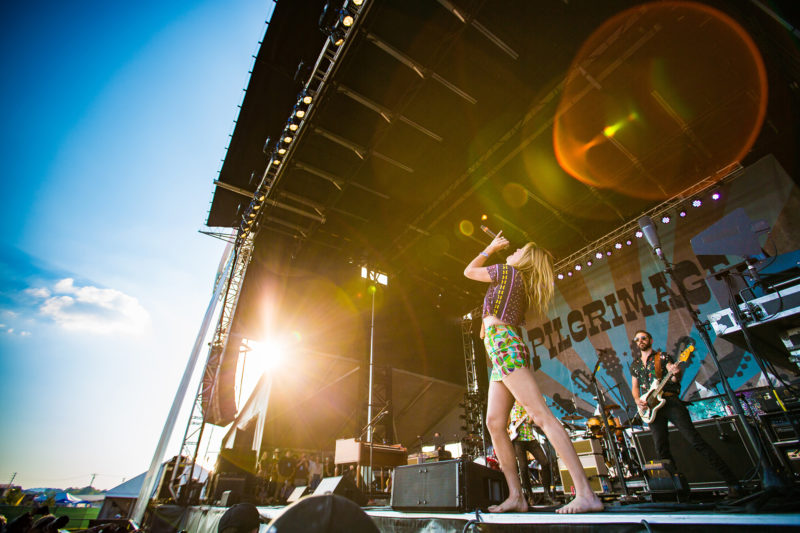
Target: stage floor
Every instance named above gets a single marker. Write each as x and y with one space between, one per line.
661 517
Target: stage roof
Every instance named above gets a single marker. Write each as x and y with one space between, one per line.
439 112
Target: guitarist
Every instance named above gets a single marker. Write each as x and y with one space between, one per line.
521 432
652 366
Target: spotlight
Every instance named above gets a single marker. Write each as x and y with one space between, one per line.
276 162
629 242
337 37
300 113
347 19
697 202
682 213
599 255
560 276
589 263
357 2
307 99
484 217
281 151
639 234
288 139
293 127
716 195
577 267
608 252
665 219
569 273
618 246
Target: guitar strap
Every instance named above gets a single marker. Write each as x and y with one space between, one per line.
657 364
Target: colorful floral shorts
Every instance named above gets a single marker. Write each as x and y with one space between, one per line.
506 350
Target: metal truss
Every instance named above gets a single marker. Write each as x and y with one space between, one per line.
474 442
198 418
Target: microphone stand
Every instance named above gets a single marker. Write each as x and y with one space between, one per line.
769 479
607 431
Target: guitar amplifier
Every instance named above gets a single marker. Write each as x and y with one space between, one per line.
456 485
725 435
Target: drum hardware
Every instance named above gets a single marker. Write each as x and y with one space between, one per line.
572 417
610 407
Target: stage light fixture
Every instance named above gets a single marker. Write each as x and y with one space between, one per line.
357 2
697 202
337 37
300 113
281 151
665 219
252 215
261 197
293 127
589 263
484 217
716 195
628 242
288 139
618 246
374 275
560 276
307 99
682 213
578 267
276 162
599 255
639 234
569 273
347 18
608 252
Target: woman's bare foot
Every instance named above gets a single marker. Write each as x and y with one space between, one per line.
512 504
582 504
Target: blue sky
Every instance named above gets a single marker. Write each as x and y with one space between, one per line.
115 118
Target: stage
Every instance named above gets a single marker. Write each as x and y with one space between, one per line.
616 517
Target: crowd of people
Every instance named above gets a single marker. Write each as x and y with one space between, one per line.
40 520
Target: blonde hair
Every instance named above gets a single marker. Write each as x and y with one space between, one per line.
536 266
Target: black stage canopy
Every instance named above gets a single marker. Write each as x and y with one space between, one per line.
439 112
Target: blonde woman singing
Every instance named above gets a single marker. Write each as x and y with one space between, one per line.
524 281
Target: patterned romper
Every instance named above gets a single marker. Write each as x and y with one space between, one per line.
505 299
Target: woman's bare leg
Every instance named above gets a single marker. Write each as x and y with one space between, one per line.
497 410
522 385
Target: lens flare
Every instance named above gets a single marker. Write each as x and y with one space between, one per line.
659 97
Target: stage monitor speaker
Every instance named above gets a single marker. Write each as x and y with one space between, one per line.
456 485
298 492
234 485
665 483
725 435
341 486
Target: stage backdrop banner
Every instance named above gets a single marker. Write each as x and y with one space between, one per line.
597 310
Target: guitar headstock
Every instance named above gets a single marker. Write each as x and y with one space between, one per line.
685 354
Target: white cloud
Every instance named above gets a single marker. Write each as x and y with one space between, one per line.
38 292
93 309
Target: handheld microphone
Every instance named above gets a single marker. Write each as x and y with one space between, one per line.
651 234
489 232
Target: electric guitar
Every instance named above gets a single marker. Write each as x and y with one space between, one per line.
653 396
513 429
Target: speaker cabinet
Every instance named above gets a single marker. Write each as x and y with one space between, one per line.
341 486
234 485
455 485
725 435
590 453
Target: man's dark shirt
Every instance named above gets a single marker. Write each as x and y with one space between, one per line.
286 466
645 374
